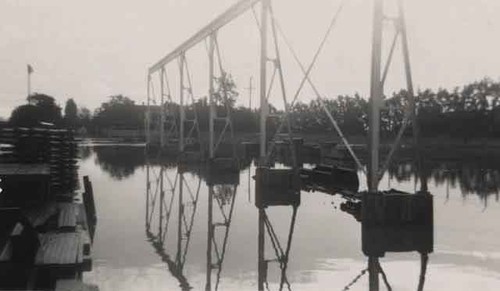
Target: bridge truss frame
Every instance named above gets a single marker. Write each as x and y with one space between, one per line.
268 23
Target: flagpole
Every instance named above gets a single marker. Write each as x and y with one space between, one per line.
30 70
29 84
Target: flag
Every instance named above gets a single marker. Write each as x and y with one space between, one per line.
30 69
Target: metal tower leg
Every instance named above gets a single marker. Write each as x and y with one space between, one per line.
263 79
211 94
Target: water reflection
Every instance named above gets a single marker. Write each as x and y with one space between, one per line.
118 163
168 189
162 191
309 245
473 176
275 188
219 222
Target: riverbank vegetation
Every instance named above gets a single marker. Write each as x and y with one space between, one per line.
465 112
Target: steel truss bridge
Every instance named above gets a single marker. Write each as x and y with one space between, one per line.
179 133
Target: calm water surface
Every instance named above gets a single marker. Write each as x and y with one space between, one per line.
325 249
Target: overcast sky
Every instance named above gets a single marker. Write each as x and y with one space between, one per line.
89 50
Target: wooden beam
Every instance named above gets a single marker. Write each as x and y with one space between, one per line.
230 14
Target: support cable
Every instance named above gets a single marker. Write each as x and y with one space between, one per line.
229 123
384 277
356 279
389 58
318 95
257 22
283 90
307 72
411 110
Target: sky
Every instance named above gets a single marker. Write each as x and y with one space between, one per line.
90 50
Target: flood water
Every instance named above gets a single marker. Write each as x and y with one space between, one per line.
138 248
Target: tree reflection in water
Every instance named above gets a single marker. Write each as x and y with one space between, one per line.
120 162
472 174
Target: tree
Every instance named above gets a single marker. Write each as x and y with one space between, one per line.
70 113
41 108
120 111
225 90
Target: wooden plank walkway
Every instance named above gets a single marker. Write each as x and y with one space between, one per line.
74 285
58 249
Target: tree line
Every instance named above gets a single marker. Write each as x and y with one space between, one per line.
464 112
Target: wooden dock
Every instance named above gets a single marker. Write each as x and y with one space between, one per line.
57 235
46 228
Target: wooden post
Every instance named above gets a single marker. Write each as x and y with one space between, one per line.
89 204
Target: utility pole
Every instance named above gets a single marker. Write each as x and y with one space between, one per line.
250 90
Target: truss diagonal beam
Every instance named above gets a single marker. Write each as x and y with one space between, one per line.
230 14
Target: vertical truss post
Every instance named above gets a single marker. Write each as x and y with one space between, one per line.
263 79
180 213
182 112
211 49
411 93
375 98
148 112
148 189
208 285
162 108
162 199
373 272
410 113
262 268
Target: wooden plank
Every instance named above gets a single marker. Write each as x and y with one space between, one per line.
58 249
39 215
17 230
6 252
67 216
24 169
85 240
81 216
74 285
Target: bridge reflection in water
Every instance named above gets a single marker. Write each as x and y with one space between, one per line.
389 224
165 192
